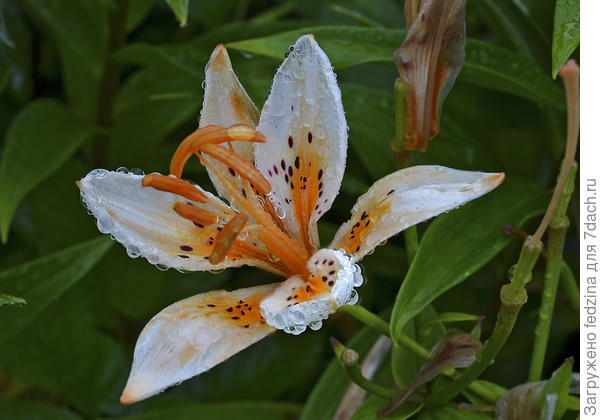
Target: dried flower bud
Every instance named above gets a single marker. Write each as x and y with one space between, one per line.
429 61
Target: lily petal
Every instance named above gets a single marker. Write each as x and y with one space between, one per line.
193 335
226 103
305 153
298 303
146 222
405 198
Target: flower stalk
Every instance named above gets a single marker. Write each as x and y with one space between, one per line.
512 297
348 358
559 224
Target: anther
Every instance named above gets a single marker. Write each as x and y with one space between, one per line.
195 214
175 186
226 238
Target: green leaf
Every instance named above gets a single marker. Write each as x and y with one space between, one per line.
80 31
554 395
459 243
26 410
39 140
491 387
327 393
455 317
66 355
137 11
242 410
11 300
450 412
42 281
369 410
566 33
370 113
180 8
485 64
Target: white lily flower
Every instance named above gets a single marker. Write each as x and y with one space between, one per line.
277 191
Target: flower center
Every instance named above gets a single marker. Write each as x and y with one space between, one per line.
298 303
248 189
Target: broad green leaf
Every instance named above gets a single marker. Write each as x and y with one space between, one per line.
42 281
242 410
327 393
171 101
369 410
39 140
11 300
27 410
66 355
404 362
459 243
137 11
370 114
485 64
450 412
80 31
566 33
554 395
180 8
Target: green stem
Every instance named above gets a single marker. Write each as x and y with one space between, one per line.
109 82
349 360
369 318
556 238
569 286
512 296
402 157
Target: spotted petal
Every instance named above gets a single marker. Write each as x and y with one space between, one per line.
145 222
226 103
193 335
405 198
305 152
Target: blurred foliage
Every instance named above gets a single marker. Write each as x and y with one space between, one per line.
110 83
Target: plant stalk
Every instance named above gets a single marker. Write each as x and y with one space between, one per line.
349 360
512 297
109 81
402 157
557 232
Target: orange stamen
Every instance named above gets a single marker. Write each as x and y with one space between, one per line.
226 237
196 214
175 186
284 252
239 165
211 134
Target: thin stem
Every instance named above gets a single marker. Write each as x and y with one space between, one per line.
402 157
512 297
556 238
367 317
570 75
109 81
569 286
349 360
